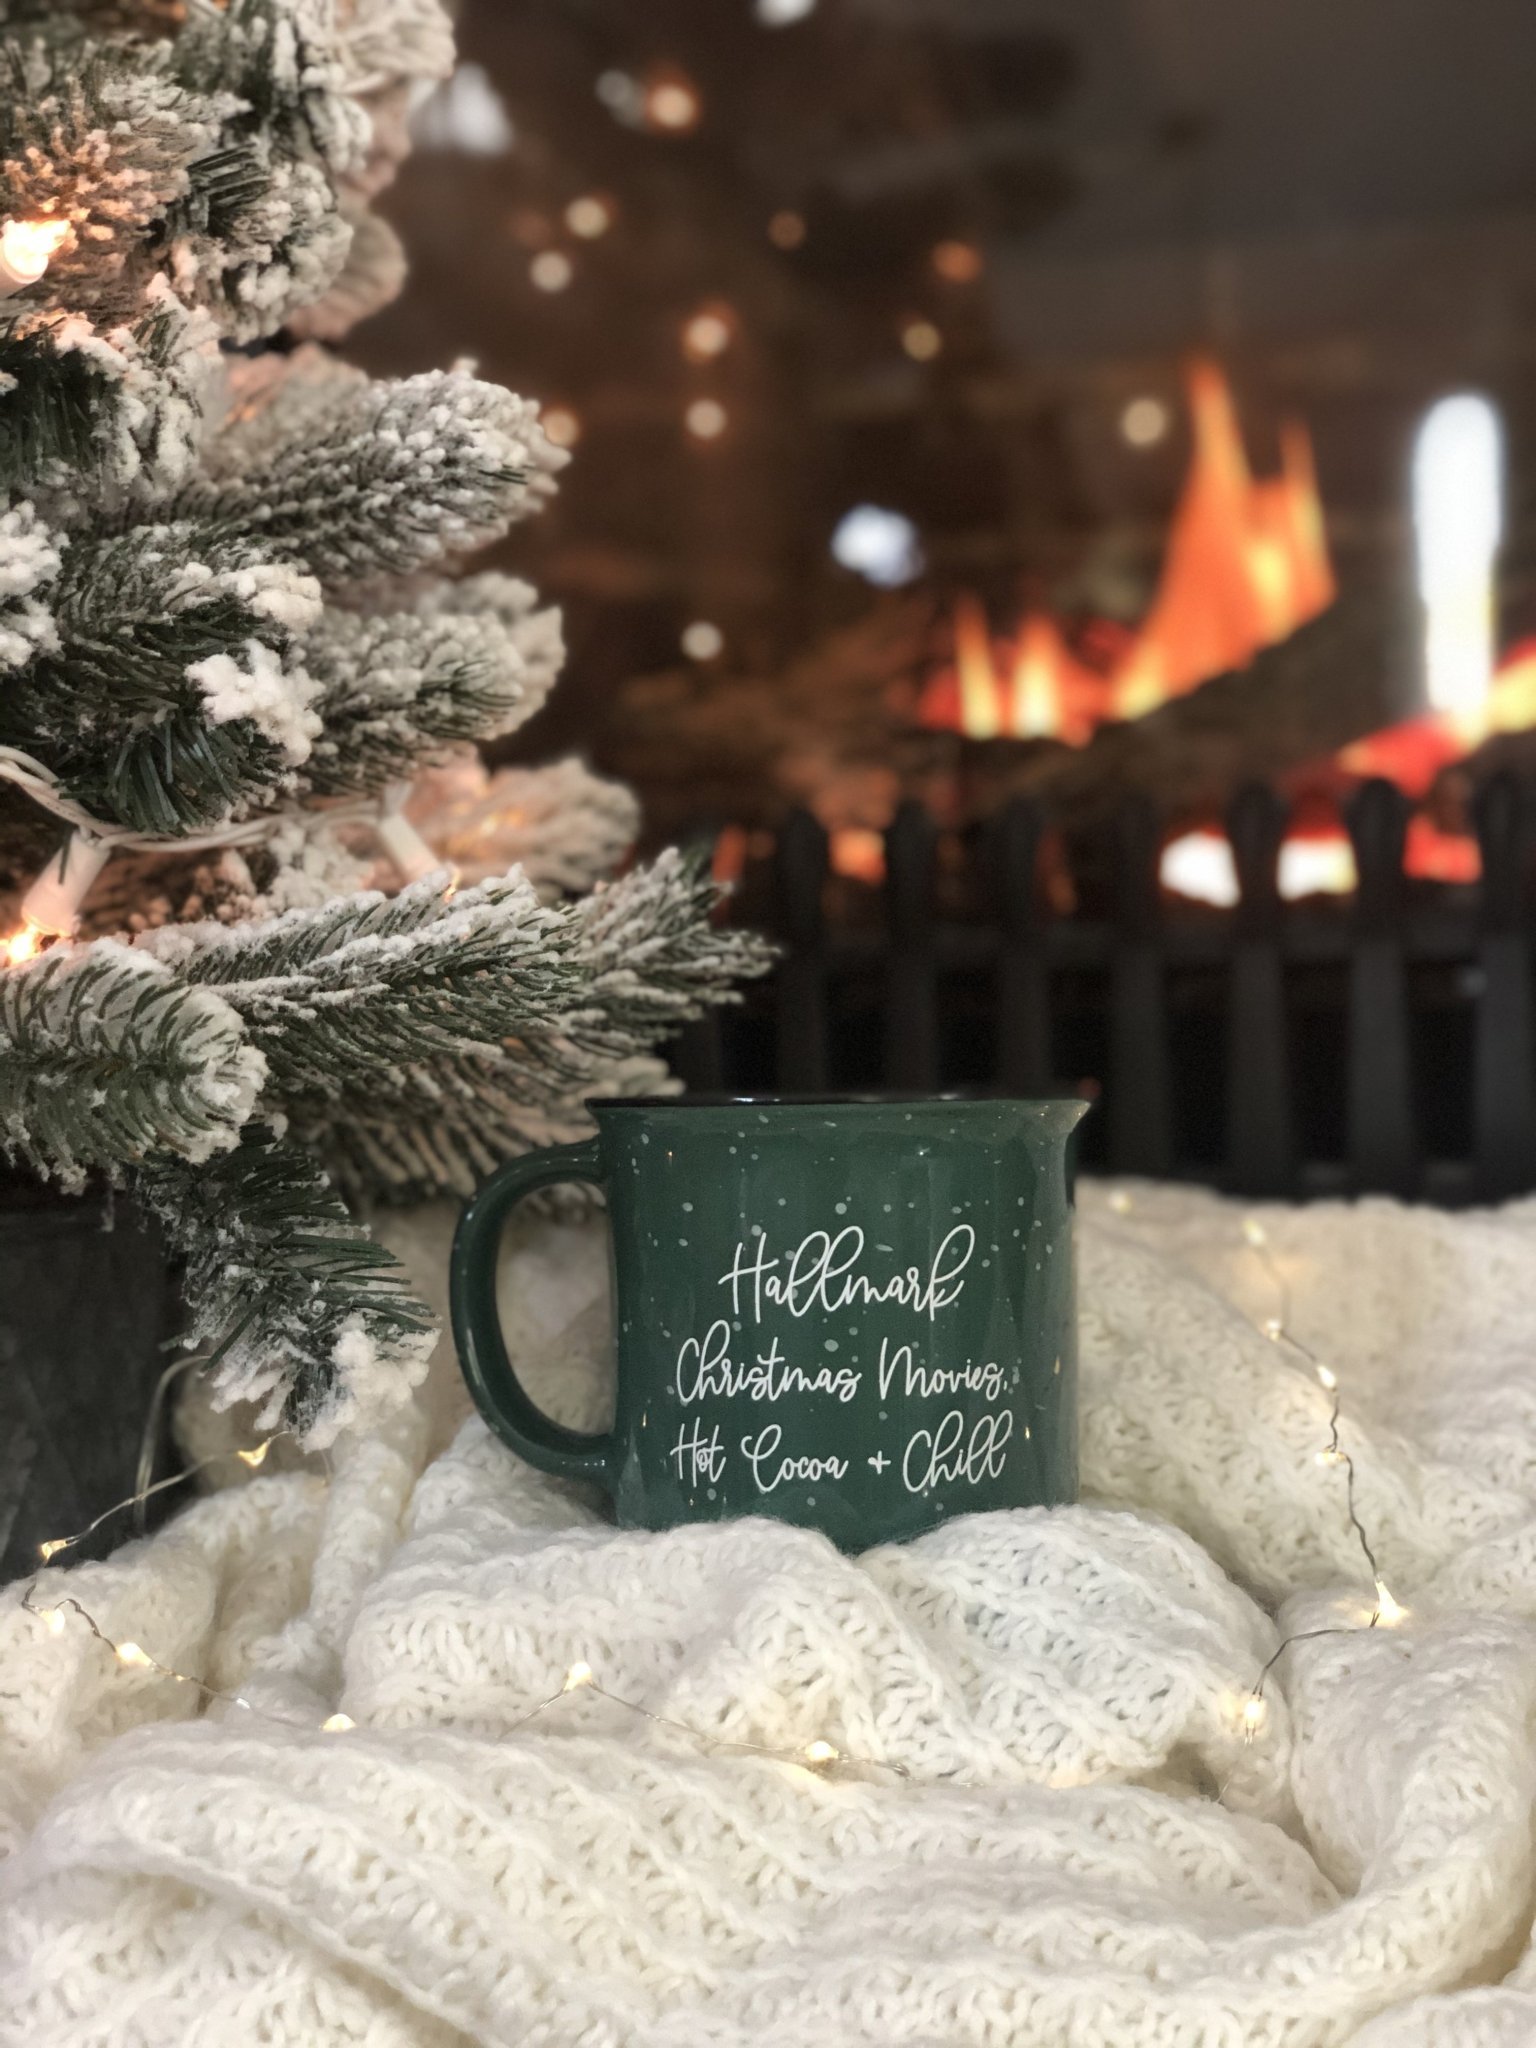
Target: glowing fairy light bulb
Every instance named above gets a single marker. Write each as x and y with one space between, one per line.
255 1457
672 101
957 262
580 1674
52 1547
819 1753
134 1657
1327 1378
26 249
1145 421
52 1619
337 1724
708 333
551 270
786 230
1254 1715
706 419
1254 1233
1274 1329
921 340
702 640
1389 1612
589 216
1328 1457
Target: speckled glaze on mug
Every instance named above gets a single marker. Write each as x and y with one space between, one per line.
854 1314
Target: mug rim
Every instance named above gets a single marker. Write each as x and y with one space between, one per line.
856 1099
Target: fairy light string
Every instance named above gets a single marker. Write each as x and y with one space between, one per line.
131 1655
1277 1328
819 1755
252 1458
1386 1610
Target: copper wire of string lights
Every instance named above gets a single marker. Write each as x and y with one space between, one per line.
132 1656
1277 1328
254 1457
149 1437
1386 1611
818 1755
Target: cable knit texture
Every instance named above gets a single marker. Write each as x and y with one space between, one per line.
1085 1849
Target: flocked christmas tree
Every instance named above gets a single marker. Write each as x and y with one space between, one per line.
225 649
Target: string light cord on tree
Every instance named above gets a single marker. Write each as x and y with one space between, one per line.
64 882
42 785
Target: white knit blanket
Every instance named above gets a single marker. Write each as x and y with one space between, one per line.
1086 1850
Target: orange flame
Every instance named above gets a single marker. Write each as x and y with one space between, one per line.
1031 688
1246 563
22 945
980 710
1413 753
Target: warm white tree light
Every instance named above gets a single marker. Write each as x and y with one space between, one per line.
52 904
26 249
1458 464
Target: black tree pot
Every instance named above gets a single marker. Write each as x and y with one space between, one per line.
86 1310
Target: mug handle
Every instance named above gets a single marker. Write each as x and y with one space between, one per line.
570 1453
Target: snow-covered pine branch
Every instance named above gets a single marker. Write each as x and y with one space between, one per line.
652 958
386 480
387 1000
209 158
646 960
89 418
106 1059
164 692
566 828
394 688
534 628
308 1317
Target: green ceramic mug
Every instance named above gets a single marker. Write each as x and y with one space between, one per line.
856 1314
